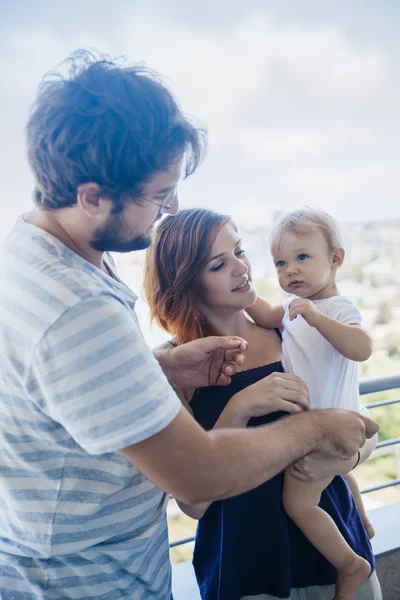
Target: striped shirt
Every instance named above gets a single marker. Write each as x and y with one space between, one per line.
77 384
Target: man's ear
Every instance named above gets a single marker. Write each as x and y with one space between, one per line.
91 202
338 257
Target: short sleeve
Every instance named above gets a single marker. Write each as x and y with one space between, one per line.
343 310
286 303
95 375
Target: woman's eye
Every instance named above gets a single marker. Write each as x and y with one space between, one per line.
302 256
240 252
217 268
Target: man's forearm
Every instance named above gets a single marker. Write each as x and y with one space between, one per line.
266 449
198 466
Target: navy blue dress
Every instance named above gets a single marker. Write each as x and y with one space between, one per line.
247 545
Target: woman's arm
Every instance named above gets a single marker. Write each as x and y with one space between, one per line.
265 315
278 391
351 341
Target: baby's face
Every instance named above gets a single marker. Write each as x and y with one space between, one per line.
304 263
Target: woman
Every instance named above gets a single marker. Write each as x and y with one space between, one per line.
198 283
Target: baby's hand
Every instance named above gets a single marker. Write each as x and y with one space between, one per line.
306 309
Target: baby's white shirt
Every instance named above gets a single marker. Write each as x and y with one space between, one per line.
331 378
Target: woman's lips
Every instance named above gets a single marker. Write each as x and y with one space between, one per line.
244 287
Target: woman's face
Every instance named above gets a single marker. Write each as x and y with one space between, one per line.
225 282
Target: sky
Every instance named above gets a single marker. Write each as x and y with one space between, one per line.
300 99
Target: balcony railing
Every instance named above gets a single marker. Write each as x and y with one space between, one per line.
367 386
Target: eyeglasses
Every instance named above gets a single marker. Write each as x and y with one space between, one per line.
165 205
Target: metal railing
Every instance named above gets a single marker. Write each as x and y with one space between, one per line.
371 385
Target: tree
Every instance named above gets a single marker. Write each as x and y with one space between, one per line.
393 343
384 315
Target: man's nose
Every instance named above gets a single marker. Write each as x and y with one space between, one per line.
174 205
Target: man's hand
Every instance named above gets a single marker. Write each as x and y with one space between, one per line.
305 308
342 432
317 466
207 361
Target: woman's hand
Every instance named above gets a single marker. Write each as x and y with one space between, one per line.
277 392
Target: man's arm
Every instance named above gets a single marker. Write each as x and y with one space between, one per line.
265 315
110 394
198 466
316 467
350 340
277 392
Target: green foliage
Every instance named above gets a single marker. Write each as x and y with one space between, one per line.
380 468
269 289
393 343
388 417
181 526
384 313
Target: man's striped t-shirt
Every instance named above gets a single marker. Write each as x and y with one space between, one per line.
77 384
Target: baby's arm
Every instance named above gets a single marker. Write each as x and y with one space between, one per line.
350 340
269 317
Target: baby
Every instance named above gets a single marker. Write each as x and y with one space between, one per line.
323 340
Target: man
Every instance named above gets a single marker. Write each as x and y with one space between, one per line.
91 430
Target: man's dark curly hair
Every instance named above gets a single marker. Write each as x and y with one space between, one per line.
105 123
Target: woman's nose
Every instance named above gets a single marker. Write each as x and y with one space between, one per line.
240 268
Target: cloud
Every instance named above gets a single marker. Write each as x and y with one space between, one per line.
32 53
300 144
219 74
296 108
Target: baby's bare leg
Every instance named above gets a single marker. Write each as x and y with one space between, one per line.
300 500
355 490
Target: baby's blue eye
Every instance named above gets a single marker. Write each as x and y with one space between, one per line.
302 256
280 263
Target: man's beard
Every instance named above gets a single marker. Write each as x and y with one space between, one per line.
108 239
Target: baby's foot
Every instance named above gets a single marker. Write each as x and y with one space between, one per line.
369 528
349 579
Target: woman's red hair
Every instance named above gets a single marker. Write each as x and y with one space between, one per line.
179 253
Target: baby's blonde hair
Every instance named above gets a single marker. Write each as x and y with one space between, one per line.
298 221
